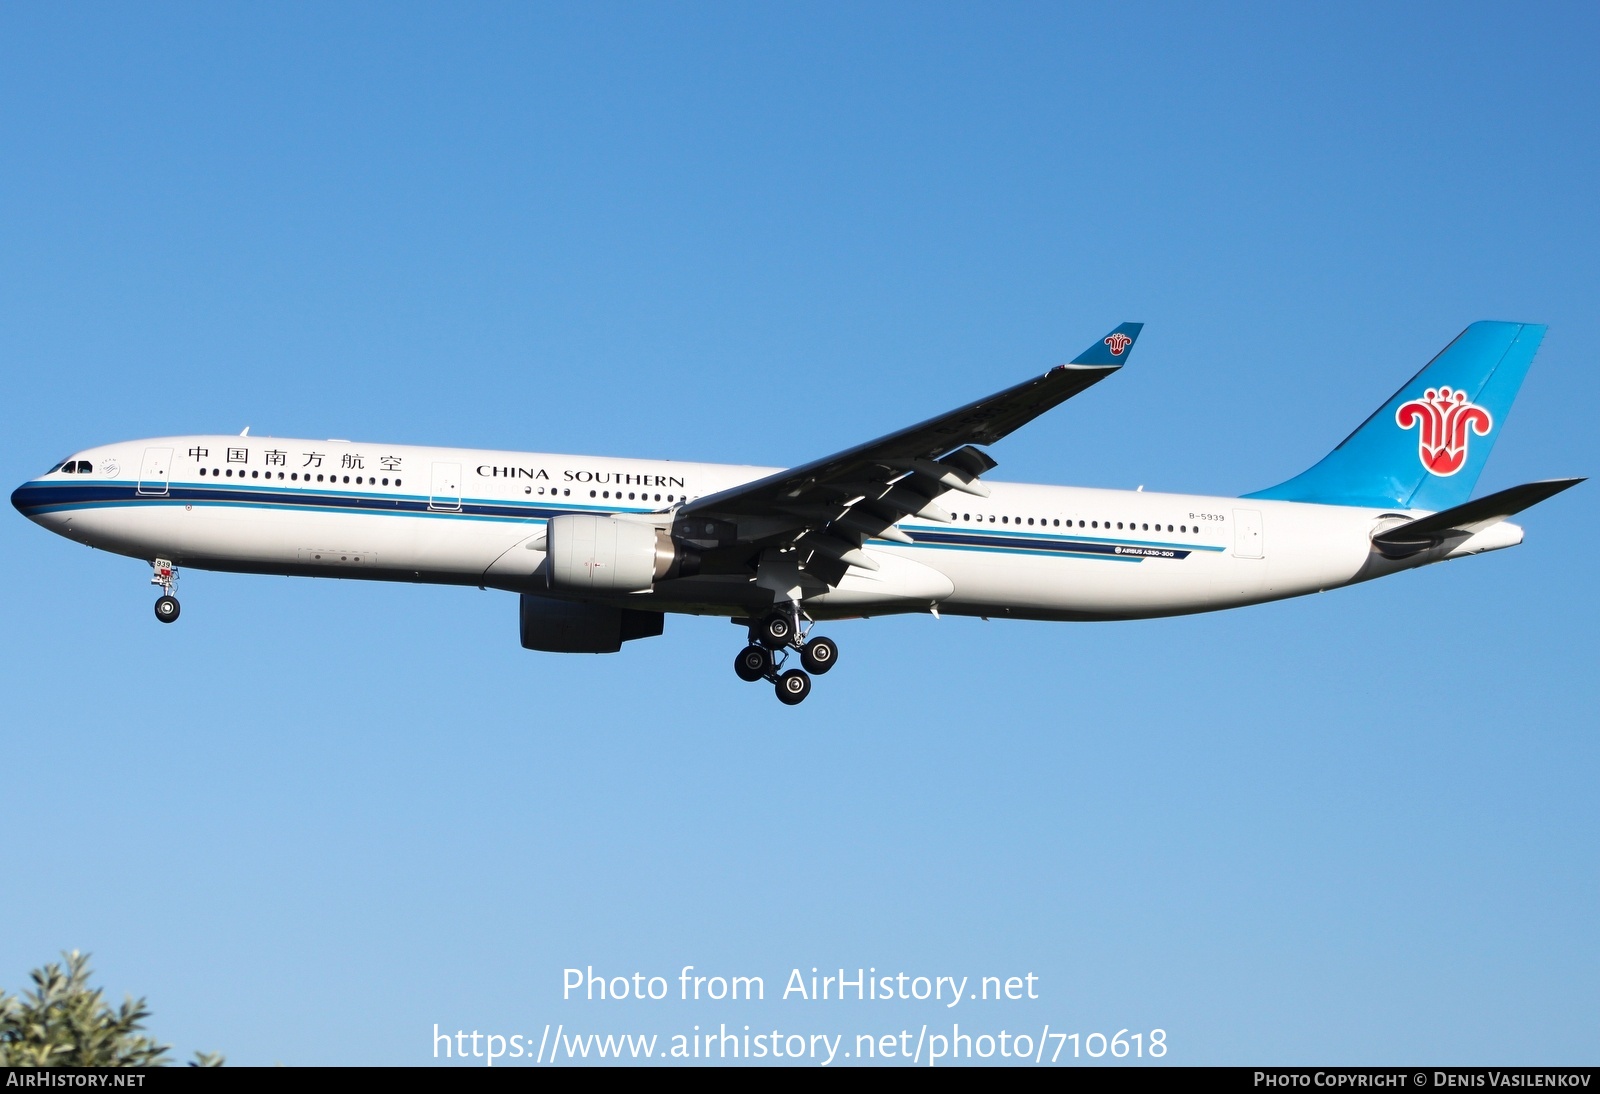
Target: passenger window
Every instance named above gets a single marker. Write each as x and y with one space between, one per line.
347 478
255 474
202 472
397 482
319 478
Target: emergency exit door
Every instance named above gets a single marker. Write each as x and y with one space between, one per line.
1247 537
446 495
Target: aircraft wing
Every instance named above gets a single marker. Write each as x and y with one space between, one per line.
828 508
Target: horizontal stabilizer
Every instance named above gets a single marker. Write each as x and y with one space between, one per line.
1469 519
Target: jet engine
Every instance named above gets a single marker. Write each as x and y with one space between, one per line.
561 626
596 552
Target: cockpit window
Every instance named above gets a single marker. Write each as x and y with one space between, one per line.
66 467
85 467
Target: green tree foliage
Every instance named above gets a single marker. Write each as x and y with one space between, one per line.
63 1022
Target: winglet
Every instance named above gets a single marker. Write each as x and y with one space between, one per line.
1113 349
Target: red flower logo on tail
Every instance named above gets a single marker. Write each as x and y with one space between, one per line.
1118 342
1444 419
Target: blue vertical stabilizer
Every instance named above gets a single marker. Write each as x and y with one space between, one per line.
1425 447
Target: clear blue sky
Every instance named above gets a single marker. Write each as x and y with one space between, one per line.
314 818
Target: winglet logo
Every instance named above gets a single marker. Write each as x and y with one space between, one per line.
1118 342
1444 419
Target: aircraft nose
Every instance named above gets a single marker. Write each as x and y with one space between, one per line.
25 497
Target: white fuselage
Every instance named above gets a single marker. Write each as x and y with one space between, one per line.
465 516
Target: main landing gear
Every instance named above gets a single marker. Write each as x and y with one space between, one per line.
165 574
772 637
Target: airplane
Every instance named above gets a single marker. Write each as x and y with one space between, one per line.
601 550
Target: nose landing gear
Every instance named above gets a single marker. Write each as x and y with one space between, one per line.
165 575
772 637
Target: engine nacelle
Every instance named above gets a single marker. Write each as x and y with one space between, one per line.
562 626
595 552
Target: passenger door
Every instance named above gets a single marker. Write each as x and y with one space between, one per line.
446 495
153 472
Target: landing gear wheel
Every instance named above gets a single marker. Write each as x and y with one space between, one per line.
775 631
753 663
819 655
793 686
167 609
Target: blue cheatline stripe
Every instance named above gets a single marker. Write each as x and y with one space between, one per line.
36 498
1124 550
1052 552
1055 541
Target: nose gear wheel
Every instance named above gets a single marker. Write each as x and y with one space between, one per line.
165 575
